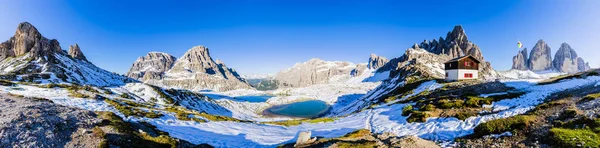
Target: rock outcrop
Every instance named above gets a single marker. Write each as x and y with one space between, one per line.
38 59
565 60
419 63
540 58
376 61
75 52
195 70
316 71
582 65
456 44
28 40
520 61
152 66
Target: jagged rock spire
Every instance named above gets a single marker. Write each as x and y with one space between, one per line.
376 61
75 52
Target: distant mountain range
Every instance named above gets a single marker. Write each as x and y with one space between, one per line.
195 70
540 59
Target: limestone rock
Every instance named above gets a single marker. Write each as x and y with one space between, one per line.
304 138
412 142
456 44
565 59
151 66
540 58
195 70
75 52
520 60
315 71
582 65
376 61
38 59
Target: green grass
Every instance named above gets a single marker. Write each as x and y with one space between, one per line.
418 116
77 94
574 137
428 107
407 110
498 126
182 111
358 134
590 97
348 144
464 115
6 83
449 104
103 144
300 121
390 99
162 139
16 95
97 132
130 111
477 102
125 96
135 137
162 94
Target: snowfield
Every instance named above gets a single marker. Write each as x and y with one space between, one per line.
384 118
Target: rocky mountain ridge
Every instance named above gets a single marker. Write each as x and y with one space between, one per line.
195 70
317 71
540 59
456 44
29 56
375 61
419 63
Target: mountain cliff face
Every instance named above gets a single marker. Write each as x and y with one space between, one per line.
75 52
520 60
419 63
456 44
316 71
565 60
195 70
582 65
152 66
376 61
540 58
28 56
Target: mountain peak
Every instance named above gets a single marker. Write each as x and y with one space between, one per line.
458 33
376 61
75 52
25 28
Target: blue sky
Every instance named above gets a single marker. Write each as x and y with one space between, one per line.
267 36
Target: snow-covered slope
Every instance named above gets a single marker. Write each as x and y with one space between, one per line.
384 118
47 62
527 74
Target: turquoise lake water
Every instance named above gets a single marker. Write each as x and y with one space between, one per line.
305 109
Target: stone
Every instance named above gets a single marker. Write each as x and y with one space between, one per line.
376 61
75 52
304 138
520 60
151 66
195 70
540 58
565 59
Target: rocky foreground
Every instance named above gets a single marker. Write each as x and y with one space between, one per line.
32 122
